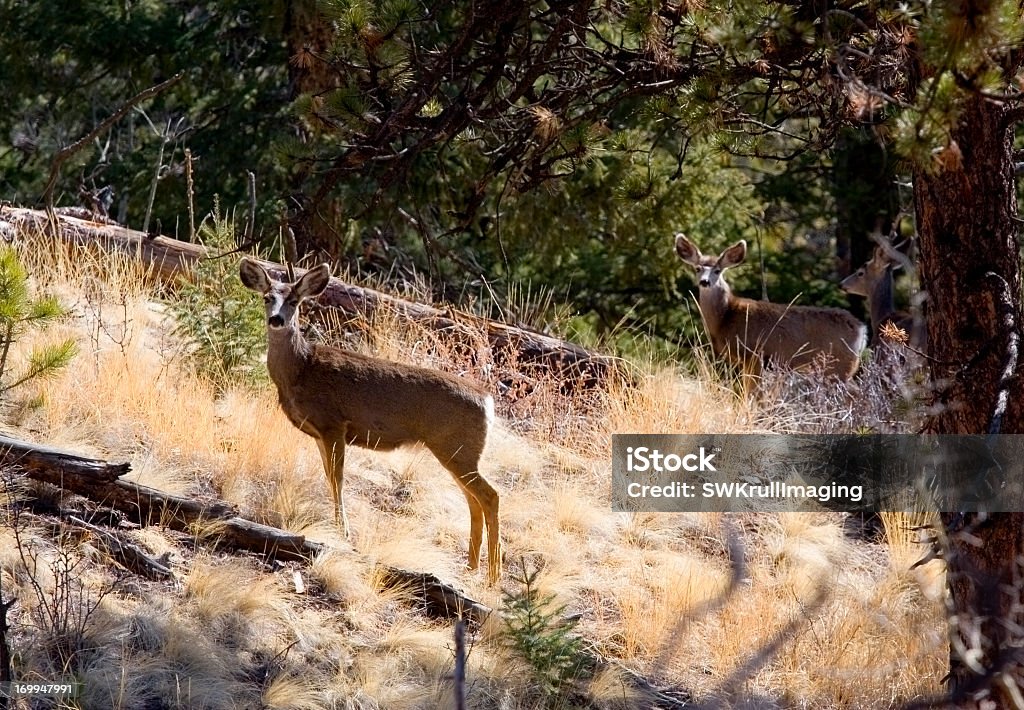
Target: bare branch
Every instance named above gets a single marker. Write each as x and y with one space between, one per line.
65 153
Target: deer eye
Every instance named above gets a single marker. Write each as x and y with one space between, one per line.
266 298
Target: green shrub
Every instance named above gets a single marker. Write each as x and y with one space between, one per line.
537 630
218 321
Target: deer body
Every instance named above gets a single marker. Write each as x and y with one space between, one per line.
339 397
753 333
874 281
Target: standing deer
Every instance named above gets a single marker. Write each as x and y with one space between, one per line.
340 397
753 333
873 281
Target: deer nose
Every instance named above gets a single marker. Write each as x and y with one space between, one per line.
705 282
276 321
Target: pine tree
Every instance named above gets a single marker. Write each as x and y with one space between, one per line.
19 313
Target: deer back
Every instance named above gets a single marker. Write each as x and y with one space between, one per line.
791 335
384 404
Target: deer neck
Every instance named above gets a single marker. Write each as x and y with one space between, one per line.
287 350
714 305
881 301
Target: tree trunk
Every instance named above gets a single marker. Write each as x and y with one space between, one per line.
864 189
967 223
310 36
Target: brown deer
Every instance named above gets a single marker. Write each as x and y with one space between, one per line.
340 397
753 333
873 281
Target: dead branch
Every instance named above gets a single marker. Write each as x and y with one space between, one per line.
168 259
64 153
128 555
439 599
214 521
51 464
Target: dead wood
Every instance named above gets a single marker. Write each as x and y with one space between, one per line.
128 555
460 665
215 521
66 152
52 464
168 258
438 598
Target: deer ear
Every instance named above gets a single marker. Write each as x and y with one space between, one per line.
313 282
253 276
734 255
687 250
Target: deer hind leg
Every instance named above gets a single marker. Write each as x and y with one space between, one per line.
332 451
483 510
751 375
488 498
476 524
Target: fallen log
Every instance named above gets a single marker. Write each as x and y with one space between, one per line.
171 259
529 350
47 462
215 521
439 599
168 258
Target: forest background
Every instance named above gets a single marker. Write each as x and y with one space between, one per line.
536 159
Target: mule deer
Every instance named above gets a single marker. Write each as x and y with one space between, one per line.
873 281
753 333
340 397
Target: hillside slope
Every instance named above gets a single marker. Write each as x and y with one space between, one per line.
854 627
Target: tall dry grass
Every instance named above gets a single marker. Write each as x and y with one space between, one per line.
817 619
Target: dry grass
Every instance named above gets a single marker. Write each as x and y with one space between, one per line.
819 620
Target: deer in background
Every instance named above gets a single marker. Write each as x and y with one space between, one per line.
340 398
753 333
874 281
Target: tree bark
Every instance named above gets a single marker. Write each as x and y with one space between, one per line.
309 36
54 464
168 258
526 351
966 213
865 193
128 555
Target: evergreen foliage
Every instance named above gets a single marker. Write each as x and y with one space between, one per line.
19 313
538 632
218 321
495 144
68 65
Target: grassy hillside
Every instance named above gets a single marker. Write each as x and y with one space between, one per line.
820 620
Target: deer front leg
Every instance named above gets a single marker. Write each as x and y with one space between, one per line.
332 451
